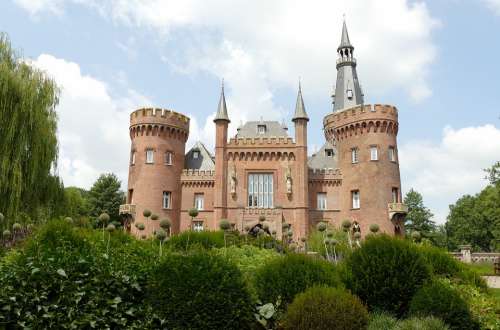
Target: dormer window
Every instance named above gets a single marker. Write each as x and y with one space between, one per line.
196 154
349 94
261 129
329 152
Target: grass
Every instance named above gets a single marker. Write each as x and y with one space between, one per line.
482 268
495 293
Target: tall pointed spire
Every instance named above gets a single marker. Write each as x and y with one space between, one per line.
300 109
347 91
222 109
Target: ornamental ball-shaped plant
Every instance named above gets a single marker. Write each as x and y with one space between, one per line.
6 233
346 225
165 224
262 218
285 226
160 234
193 212
16 227
104 217
140 226
265 226
247 228
273 232
303 239
29 226
374 228
357 235
143 236
111 228
68 219
1 217
289 233
224 224
321 226
147 213
292 246
329 234
416 235
154 217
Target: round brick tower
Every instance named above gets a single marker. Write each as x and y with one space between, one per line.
366 142
156 161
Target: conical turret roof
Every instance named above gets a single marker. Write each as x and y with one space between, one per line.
300 109
222 109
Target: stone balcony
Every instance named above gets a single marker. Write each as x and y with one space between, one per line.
127 209
397 211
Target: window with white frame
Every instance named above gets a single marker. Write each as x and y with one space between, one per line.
168 158
132 158
321 201
354 155
373 153
260 190
167 199
197 226
395 195
198 201
392 154
196 154
329 152
261 129
356 203
149 156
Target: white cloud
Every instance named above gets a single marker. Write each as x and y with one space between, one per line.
444 172
494 5
93 127
36 6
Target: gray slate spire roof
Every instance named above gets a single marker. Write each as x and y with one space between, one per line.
222 109
300 109
204 159
347 91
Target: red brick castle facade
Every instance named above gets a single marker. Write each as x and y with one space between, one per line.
264 171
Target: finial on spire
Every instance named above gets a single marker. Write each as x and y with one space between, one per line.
300 109
222 109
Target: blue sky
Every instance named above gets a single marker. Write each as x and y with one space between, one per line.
437 61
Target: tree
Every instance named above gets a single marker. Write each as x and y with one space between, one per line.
76 203
475 220
419 217
105 197
493 173
28 140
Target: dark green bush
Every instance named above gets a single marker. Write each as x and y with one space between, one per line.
200 291
196 240
63 278
385 273
283 278
441 301
326 308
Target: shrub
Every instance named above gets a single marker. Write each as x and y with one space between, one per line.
382 321
385 273
325 308
316 243
283 278
199 291
197 240
64 279
439 300
424 323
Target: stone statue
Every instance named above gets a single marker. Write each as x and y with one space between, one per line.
233 180
288 177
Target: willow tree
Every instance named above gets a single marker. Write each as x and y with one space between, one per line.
28 124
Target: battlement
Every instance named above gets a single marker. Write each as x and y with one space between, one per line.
262 142
361 113
160 117
197 173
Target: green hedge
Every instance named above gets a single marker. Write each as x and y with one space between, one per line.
199 291
325 308
196 240
64 278
385 273
438 300
283 278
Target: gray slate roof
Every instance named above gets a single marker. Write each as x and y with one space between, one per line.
205 160
300 109
320 160
222 109
273 128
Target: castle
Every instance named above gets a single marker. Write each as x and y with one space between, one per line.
262 171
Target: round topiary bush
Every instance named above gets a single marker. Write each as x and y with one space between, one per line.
283 278
111 227
104 218
165 224
441 301
2 217
224 224
6 233
385 273
146 213
326 308
199 291
374 228
154 217
193 212
16 227
321 226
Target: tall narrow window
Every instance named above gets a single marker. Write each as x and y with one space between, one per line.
168 158
149 156
260 190
321 201
356 203
198 201
395 195
373 153
132 158
349 94
131 196
167 199
392 154
354 155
